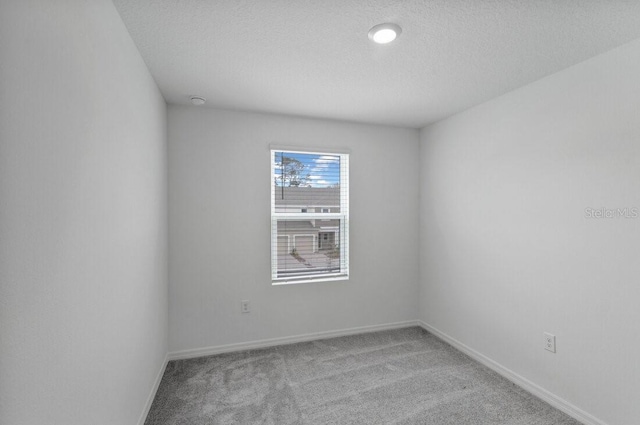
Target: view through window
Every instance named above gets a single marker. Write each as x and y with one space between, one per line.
309 216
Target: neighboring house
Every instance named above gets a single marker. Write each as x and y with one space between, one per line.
307 235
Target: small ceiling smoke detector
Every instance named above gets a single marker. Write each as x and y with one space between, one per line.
384 33
197 100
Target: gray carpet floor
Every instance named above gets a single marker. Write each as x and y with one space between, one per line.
404 376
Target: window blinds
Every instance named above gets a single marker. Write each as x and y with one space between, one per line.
309 216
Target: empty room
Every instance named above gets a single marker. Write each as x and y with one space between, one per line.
319 212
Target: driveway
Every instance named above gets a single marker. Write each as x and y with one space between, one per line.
311 261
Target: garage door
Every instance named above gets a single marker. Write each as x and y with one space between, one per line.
304 244
283 246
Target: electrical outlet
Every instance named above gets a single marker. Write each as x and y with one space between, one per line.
549 342
244 306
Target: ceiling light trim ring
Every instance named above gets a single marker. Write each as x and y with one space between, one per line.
384 33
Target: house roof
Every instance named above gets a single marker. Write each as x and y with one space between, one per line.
314 226
307 196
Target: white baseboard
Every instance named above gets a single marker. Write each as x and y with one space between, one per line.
154 390
536 390
264 343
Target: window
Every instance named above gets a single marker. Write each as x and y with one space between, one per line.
309 216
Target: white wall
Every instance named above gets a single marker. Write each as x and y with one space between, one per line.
83 222
506 250
219 189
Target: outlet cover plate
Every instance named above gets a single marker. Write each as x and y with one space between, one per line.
549 342
244 306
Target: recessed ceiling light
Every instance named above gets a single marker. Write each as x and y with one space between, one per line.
384 33
197 100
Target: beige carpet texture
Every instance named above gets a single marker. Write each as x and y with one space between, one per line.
405 376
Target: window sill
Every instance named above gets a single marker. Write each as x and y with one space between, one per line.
314 280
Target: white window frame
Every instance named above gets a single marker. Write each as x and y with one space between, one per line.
343 216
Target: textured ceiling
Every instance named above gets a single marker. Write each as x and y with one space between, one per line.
313 57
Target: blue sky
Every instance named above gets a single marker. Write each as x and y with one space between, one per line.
323 170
